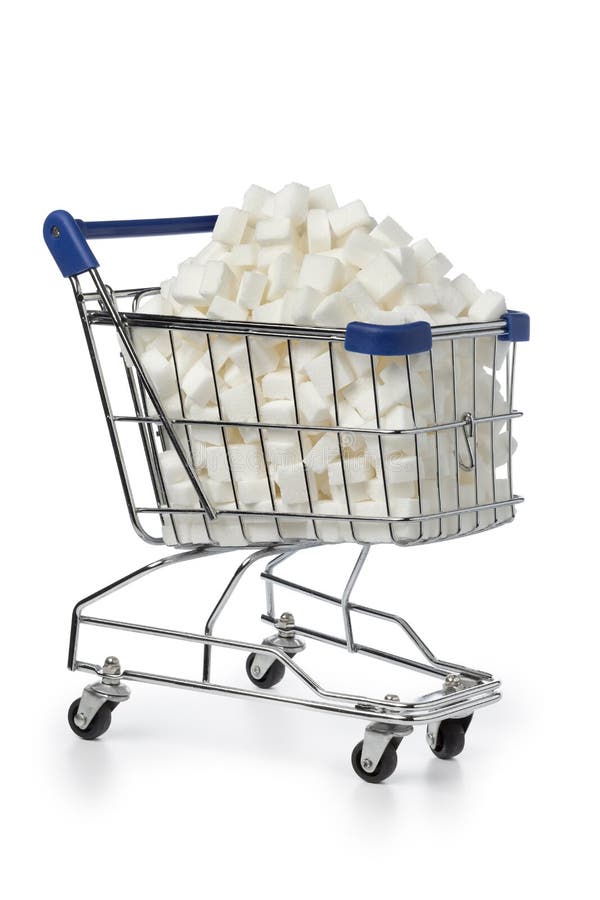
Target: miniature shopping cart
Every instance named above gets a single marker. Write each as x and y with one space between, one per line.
456 440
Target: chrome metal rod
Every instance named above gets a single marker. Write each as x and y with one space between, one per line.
165 561
210 640
442 667
224 598
381 714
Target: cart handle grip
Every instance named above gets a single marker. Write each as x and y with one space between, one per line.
66 237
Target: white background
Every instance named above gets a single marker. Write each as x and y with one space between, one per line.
474 124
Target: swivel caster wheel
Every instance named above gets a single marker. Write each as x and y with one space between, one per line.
268 679
384 768
450 738
99 724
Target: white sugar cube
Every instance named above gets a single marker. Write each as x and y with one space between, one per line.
422 295
382 278
352 470
217 279
319 372
198 384
314 409
230 226
323 453
243 256
267 255
350 418
332 531
252 491
274 231
318 231
333 312
322 198
450 298
390 234
400 315
222 308
363 305
258 203
348 217
171 467
156 305
292 484
186 286
299 305
359 362
404 258
282 274
218 492
323 273
263 355
214 250
233 375
423 251
303 351
186 355
203 434
359 394
435 268
251 289
246 461
489 307
467 288
282 448
269 312
291 202
278 412
237 403
278 385
360 248
217 464
160 372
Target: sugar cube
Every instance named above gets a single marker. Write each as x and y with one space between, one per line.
318 231
390 234
322 198
323 273
230 226
251 289
346 218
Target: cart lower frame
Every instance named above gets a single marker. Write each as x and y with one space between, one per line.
387 720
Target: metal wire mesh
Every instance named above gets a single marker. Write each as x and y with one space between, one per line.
405 450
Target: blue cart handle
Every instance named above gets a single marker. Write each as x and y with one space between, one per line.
66 237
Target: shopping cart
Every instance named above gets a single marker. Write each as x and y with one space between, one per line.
466 419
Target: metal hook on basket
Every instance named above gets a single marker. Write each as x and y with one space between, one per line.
467 429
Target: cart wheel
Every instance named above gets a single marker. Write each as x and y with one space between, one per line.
272 676
384 768
99 724
451 737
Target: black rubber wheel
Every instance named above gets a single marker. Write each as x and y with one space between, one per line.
451 738
384 768
272 676
99 724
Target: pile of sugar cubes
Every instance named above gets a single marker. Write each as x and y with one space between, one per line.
296 257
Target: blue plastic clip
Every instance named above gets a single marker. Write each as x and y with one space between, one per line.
517 326
388 340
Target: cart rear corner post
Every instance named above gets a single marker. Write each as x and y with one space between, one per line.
459 456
